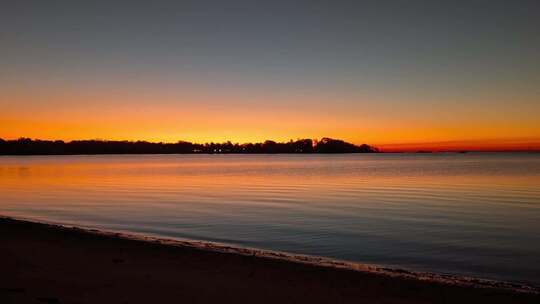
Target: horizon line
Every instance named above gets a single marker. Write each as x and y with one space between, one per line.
472 145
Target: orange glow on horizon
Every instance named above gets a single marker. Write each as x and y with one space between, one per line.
500 145
240 117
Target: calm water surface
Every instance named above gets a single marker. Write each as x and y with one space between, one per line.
470 214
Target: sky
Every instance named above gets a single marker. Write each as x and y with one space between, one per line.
395 74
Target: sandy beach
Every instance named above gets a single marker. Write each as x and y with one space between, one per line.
47 263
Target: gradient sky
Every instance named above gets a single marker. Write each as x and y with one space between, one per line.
379 72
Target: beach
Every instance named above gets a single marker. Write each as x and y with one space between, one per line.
49 263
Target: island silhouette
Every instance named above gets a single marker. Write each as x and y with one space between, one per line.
27 146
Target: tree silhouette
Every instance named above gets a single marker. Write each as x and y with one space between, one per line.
27 146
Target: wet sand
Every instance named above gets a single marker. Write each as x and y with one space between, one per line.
46 263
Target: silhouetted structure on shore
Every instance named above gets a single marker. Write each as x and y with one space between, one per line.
27 146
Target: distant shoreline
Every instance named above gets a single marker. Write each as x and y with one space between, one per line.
71 245
298 154
27 146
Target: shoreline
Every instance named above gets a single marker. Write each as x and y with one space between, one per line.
320 261
434 152
291 266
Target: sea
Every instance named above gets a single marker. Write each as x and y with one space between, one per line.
468 214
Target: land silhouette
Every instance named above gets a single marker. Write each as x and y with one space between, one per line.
27 146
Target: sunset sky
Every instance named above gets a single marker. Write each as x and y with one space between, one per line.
397 74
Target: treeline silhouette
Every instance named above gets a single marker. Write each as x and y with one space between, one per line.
27 146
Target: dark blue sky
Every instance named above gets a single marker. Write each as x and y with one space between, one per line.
347 57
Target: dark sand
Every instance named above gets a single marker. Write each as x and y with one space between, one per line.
44 263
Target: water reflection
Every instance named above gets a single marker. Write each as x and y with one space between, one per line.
473 214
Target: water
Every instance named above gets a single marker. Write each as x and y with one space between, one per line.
468 214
